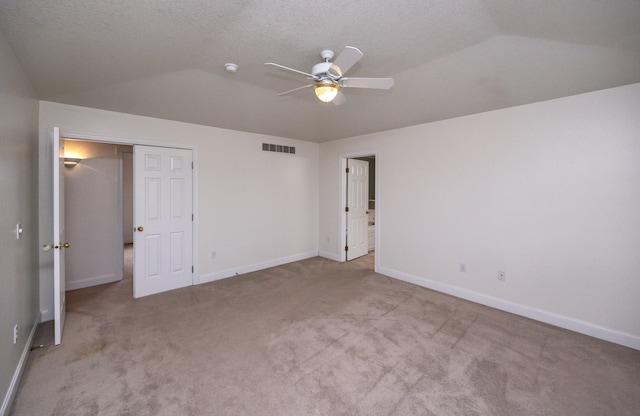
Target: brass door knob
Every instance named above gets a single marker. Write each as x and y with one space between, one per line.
65 245
140 229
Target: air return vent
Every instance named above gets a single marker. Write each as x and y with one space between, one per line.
278 148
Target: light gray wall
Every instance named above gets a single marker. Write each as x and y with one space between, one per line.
547 192
18 204
255 209
93 215
127 195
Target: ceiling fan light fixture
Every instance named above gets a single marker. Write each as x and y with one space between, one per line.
326 90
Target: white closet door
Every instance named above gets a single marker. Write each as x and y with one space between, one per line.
163 219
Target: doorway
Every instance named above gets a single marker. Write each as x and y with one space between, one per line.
100 217
358 219
97 193
176 164
371 202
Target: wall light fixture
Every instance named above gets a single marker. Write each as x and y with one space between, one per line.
70 162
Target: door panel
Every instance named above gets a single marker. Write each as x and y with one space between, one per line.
163 211
358 203
176 198
153 256
177 253
153 203
59 292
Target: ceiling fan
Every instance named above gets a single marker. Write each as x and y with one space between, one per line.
328 77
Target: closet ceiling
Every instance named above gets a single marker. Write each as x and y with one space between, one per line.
449 58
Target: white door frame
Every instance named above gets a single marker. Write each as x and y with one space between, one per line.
342 223
67 134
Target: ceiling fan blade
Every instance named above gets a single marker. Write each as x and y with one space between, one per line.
295 89
376 83
347 58
286 68
340 99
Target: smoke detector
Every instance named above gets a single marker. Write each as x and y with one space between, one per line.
231 68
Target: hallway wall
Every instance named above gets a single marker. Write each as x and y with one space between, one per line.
93 215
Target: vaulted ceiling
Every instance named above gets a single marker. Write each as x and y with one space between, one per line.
165 58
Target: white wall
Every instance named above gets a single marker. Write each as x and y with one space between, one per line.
93 215
255 209
547 192
18 204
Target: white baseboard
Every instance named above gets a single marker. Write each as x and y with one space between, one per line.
576 325
330 256
92 281
15 380
210 277
46 315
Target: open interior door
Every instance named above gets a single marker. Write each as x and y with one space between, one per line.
59 243
357 208
163 219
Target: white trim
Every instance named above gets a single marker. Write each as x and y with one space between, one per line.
120 245
69 134
45 316
210 277
342 202
195 277
93 281
330 256
22 363
576 325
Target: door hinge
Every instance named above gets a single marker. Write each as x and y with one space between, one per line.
347 170
346 248
192 269
191 165
192 217
346 209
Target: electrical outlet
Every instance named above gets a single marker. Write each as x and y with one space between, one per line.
463 268
15 334
502 276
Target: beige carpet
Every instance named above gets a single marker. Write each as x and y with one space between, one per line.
317 337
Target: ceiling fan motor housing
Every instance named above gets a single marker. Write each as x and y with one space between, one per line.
321 69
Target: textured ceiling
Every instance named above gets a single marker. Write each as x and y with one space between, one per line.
449 58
